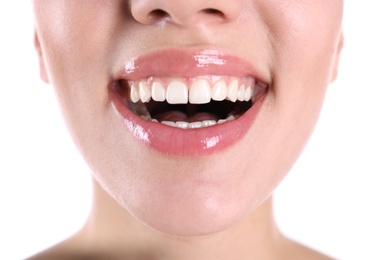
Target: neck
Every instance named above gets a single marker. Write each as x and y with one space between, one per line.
117 233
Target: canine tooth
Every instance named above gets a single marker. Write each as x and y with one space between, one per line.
232 91
219 91
144 91
248 93
207 123
169 123
221 121
177 93
194 125
200 92
241 93
134 94
182 124
158 91
154 120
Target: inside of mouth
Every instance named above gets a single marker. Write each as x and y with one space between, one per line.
215 110
163 111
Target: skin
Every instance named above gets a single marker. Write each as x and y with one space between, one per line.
151 206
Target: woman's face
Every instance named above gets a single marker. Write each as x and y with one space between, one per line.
265 65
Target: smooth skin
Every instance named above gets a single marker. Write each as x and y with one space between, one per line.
148 205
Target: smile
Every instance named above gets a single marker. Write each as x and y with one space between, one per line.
187 112
189 103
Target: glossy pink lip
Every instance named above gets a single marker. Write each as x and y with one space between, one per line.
186 142
187 64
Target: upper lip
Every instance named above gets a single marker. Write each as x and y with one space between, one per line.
188 63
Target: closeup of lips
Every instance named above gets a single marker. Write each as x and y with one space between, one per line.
188 103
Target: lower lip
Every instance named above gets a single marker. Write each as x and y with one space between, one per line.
185 142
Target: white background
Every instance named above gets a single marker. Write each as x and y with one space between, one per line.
336 199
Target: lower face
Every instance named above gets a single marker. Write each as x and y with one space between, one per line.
190 125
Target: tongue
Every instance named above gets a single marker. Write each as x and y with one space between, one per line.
176 116
202 116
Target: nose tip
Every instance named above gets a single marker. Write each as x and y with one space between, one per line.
183 12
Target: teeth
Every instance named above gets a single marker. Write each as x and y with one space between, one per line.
181 124
192 125
169 123
177 92
241 93
134 95
208 123
233 91
200 92
230 118
144 92
219 91
158 91
248 93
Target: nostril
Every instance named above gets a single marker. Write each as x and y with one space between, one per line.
158 14
213 12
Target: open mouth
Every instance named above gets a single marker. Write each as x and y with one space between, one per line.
190 103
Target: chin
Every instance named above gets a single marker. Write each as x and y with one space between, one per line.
197 216
182 204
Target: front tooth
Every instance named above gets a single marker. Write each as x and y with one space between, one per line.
200 92
241 93
232 91
219 91
248 93
144 91
194 125
208 123
158 91
182 124
134 94
177 92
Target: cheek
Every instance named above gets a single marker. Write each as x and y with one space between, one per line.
75 36
305 43
305 40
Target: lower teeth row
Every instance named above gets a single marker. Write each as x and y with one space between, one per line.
192 125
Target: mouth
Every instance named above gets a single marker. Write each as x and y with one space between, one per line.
198 106
193 103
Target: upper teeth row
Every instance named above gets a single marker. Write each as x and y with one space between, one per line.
199 91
